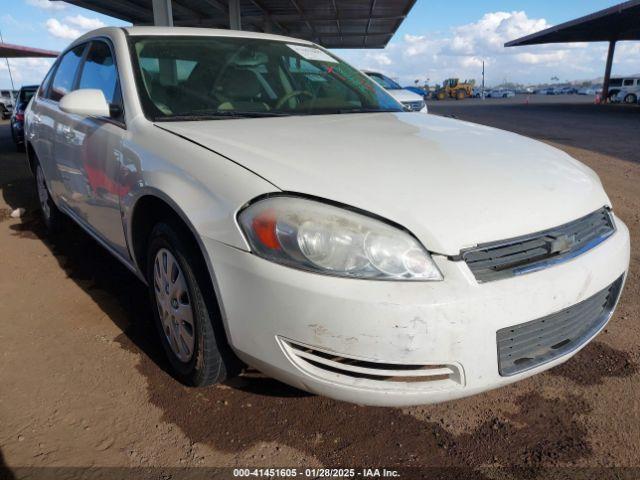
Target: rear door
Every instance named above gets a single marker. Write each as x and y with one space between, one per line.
50 123
93 148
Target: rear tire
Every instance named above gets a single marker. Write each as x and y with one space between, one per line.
186 315
631 99
51 216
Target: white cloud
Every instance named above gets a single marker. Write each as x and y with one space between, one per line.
460 51
85 23
72 27
61 30
47 5
25 71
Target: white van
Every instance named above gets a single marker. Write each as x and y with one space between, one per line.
628 91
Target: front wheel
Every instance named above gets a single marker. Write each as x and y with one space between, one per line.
631 99
185 312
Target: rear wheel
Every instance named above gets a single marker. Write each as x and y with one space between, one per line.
631 98
51 216
185 312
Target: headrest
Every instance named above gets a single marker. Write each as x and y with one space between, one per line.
240 84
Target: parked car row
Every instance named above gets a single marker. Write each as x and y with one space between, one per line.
24 96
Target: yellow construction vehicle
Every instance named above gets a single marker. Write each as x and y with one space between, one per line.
454 88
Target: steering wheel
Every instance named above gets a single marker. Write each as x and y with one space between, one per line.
293 94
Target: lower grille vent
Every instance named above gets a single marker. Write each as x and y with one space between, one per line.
528 345
340 367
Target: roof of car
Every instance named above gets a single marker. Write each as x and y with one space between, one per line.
191 32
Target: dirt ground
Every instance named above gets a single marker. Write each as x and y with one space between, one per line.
84 384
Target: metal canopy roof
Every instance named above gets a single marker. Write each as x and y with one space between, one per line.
18 51
621 22
331 23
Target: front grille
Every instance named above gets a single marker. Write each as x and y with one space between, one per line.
520 255
347 370
528 345
414 106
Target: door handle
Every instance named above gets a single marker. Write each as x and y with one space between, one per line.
67 132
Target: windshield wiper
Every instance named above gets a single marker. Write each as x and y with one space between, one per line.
216 115
366 110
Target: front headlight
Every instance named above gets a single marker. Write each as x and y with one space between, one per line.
311 235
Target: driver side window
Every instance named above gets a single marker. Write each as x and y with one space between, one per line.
65 76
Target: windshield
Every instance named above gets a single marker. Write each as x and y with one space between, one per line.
195 78
385 81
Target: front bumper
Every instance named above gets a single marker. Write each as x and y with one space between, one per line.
273 312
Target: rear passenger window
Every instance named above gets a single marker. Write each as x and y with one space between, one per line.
100 72
44 86
66 73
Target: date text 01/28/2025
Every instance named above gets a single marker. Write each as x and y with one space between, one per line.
316 472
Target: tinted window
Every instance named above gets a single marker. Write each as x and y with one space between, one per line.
26 94
44 86
100 72
385 81
66 73
628 82
184 78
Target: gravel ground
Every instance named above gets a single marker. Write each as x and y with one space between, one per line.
83 384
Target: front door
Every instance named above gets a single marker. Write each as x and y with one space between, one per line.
93 147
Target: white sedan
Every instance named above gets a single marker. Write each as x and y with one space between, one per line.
287 213
411 101
501 93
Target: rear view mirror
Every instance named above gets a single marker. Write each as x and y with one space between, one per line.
88 102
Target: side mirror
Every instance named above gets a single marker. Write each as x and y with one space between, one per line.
89 102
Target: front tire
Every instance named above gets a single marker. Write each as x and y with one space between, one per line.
184 309
631 99
51 216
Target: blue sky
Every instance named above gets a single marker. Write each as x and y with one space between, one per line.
436 41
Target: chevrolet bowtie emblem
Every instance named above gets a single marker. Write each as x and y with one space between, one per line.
561 243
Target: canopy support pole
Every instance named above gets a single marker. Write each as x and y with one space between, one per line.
235 22
607 71
162 13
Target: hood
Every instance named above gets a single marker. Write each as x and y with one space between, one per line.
405 95
453 184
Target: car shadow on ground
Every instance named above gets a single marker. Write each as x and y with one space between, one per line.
121 295
5 472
